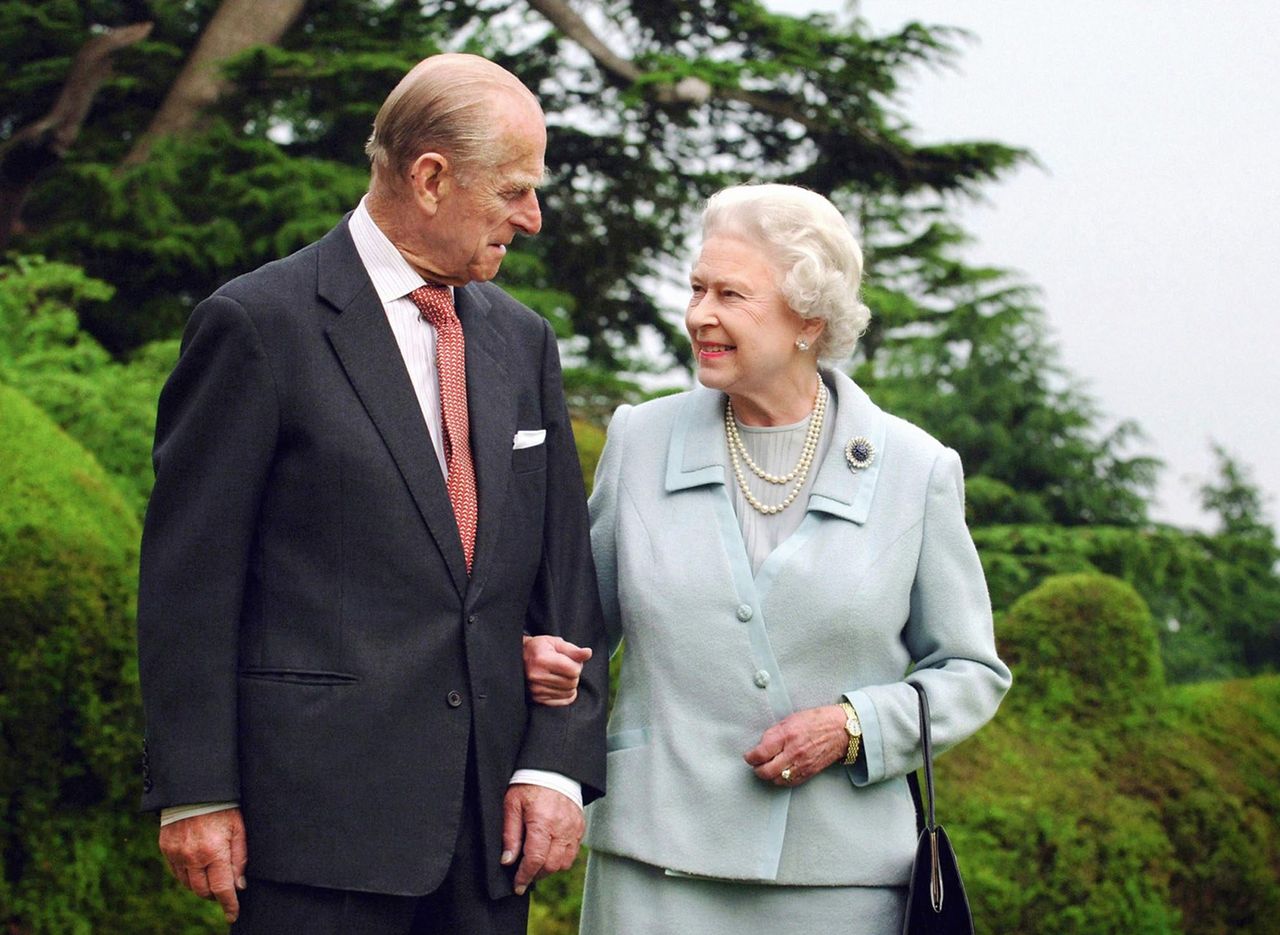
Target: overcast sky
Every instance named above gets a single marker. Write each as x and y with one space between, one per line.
1154 226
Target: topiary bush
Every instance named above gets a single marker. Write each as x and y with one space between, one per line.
1103 801
107 405
77 856
1216 597
1083 647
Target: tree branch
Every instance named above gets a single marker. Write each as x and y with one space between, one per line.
235 26
41 144
565 18
694 91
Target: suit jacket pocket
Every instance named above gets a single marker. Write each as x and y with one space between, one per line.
299 676
528 460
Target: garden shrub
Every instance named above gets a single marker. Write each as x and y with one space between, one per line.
78 857
1101 800
107 405
1216 598
590 442
1083 646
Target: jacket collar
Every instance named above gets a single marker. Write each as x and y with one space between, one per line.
697 454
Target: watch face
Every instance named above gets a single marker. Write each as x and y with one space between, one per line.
853 728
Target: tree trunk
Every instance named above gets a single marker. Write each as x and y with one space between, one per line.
235 26
46 142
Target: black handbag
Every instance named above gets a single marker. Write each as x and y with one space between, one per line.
936 901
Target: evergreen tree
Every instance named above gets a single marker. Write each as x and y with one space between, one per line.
1235 499
693 94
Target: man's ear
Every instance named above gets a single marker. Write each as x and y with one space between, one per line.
429 181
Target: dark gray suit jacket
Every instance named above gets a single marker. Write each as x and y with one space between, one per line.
310 643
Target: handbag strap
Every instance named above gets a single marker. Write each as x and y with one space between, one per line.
931 825
926 747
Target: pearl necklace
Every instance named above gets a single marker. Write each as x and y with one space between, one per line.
737 450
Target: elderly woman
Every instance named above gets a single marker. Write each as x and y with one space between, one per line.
778 554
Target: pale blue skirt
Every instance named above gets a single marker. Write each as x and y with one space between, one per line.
626 897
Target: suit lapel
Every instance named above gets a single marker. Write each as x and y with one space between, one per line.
366 347
491 406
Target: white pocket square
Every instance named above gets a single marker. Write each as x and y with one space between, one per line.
527 438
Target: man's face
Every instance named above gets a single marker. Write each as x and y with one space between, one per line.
481 211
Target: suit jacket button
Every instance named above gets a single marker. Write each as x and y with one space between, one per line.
147 785
745 612
761 678
454 699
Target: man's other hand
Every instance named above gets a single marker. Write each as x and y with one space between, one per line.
208 854
546 826
552 667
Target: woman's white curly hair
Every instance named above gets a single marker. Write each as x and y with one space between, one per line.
818 259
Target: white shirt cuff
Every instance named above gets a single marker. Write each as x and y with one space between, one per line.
567 787
178 812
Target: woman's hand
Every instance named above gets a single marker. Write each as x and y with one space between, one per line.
805 743
551 669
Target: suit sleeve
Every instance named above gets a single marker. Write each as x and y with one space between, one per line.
950 636
567 740
215 437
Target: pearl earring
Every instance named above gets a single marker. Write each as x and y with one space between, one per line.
802 344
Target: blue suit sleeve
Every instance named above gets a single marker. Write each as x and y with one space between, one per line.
950 637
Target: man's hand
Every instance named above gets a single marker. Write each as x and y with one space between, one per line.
208 854
552 667
546 825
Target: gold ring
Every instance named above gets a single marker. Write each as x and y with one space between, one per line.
786 774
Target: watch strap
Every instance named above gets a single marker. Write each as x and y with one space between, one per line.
855 740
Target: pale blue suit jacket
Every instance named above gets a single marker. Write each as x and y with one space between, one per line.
880 576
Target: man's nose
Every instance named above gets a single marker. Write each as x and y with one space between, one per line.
528 216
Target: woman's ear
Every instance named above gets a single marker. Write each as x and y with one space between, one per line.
811 329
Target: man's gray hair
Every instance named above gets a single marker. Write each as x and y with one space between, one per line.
809 241
444 104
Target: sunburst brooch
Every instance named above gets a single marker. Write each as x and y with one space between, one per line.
859 452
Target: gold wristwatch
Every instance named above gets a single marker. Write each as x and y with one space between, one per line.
852 727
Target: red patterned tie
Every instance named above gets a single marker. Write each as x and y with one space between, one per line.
436 304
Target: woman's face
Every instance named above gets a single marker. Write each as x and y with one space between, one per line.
743 332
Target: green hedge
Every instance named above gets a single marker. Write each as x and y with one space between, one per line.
1216 598
1082 646
107 405
1081 810
78 857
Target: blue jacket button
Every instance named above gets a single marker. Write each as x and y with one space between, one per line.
762 678
745 612
454 699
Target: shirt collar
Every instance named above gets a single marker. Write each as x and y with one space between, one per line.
392 276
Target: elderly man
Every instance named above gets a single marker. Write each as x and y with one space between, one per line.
366 492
